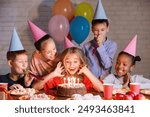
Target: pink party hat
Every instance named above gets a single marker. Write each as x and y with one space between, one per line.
100 12
131 47
68 43
15 43
37 33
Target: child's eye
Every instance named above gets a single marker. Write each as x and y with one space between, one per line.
67 61
124 64
117 62
75 61
96 31
103 30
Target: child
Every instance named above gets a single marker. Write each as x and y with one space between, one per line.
41 62
74 63
17 60
124 65
100 51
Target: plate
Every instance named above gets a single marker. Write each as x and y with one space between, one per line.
124 91
17 92
24 91
145 91
26 97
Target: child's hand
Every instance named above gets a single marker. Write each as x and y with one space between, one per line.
83 70
16 86
100 40
59 70
128 76
28 78
127 80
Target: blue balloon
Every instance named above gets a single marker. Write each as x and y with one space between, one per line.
79 29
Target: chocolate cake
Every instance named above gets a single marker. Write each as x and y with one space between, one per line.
68 90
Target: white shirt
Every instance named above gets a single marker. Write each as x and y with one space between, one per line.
144 82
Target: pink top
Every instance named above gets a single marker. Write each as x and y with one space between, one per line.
39 66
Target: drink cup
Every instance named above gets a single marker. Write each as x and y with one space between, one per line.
4 85
108 89
3 89
135 87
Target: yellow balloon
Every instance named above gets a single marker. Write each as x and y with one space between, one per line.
86 10
63 7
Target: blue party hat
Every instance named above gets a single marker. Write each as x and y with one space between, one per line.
99 12
15 44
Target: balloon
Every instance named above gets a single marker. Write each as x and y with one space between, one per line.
58 27
79 29
86 10
63 7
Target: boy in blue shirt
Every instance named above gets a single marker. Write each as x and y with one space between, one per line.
100 51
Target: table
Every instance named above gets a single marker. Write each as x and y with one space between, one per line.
53 92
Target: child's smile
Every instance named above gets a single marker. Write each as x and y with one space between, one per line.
123 65
72 63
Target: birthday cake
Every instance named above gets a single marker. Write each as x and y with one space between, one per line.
68 90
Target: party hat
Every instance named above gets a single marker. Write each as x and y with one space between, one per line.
99 12
131 47
15 43
37 33
68 43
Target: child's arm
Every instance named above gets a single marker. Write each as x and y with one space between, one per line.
39 84
127 81
144 82
97 85
113 80
108 54
28 79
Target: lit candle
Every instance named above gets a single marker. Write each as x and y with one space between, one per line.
74 80
69 81
77 80
64 80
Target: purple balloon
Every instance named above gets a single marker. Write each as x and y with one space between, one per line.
58 27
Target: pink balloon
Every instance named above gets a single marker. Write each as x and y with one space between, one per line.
58 27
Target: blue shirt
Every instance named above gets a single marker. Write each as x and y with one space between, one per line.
100 58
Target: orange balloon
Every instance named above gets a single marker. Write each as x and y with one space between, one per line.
63 7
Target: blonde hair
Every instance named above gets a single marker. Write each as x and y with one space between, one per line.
72 50
77 51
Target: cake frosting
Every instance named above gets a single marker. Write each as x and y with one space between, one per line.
68 90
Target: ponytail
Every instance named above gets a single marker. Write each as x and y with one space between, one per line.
133 58
137 58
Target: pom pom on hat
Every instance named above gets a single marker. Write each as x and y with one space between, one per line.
15 43
68 43
37 33
99 12
131 47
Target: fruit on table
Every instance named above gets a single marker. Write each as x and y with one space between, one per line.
139 97
119 96
133 94
128 97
